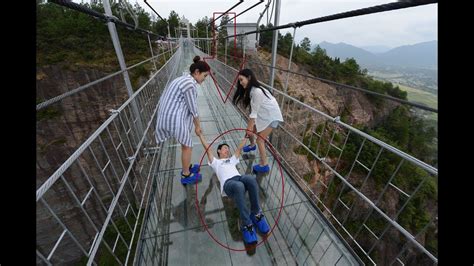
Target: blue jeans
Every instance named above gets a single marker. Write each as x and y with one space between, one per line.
236 187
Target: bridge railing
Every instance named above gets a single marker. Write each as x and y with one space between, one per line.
381 200
93 204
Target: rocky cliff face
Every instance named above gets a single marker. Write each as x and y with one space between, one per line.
60 130
62 127
354 108
333 101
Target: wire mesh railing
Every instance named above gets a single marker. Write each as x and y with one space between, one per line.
90 210
381 200
58 98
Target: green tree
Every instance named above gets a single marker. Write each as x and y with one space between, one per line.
320 62
201 27
350 71
395 91
68 36
421 137
265 39
306 44
301 55
173 21
144 20
161 27
284 43
223 30
397 126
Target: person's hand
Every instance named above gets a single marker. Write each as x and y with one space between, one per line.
198 131
249 132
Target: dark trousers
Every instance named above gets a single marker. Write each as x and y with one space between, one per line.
236 187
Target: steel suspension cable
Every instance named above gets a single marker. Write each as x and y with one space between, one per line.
228 10
155 11
353 13
91 12
261 1
90 84
271 13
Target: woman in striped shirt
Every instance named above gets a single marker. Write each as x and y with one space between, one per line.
265 114
178 111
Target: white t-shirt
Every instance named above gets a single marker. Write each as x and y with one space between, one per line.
225 169
265 109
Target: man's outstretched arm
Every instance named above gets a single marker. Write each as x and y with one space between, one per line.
239 149
206 146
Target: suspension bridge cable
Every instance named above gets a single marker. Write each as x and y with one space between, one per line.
265 10
129 9
228 10
154 11
261 1
353 13
271 13
91 12
90 84
420 106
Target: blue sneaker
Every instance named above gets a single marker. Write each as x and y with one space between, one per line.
261 169
194 168
260 222
249 235
249 148
193 178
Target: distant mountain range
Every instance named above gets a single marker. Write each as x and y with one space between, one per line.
376 49
420 55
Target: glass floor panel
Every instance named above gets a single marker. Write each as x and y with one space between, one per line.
174 232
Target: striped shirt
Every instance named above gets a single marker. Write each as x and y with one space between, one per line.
177 107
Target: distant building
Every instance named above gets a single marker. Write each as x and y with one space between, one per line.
250 40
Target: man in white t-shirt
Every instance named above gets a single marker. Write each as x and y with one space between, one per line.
234 185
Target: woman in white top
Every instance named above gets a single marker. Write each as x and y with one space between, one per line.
264 115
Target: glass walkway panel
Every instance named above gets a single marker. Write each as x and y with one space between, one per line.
174 232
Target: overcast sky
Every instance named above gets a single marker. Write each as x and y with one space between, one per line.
391 28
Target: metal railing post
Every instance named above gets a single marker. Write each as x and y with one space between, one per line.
123 66
207 43
151 50
275 42
225 53
289 64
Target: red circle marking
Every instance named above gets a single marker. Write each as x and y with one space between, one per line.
282 189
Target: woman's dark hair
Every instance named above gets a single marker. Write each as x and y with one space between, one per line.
244 94
219 148
200 65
